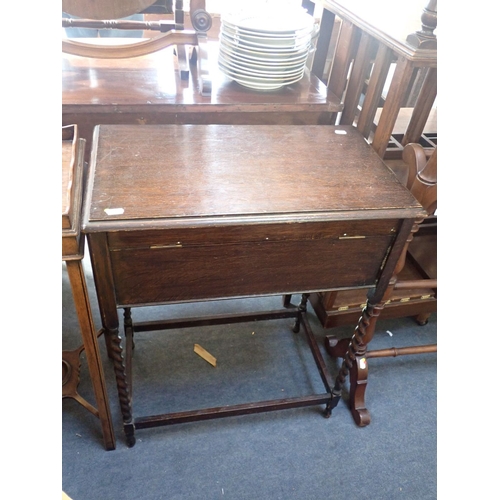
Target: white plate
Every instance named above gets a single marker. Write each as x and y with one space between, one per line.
265 70
269 49
270 21
267 60
262 81
259 78
263 55
261 72
289 46
262 39
263 86
267 35
261 64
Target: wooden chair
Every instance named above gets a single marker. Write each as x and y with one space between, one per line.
387 84
106 15
420 253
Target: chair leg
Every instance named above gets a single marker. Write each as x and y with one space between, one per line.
422 318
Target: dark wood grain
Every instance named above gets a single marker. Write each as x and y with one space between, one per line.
245 269
203 172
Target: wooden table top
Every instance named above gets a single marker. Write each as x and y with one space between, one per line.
135 84
172 175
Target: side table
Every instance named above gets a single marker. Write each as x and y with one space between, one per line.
183 213
72 254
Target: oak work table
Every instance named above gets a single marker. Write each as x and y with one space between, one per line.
181 213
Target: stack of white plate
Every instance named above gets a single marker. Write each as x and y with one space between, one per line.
265 51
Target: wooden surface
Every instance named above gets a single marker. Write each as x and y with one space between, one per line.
138 84
175 173
193 212
149 90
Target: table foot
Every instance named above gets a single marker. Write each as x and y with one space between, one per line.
422 319
129 429
358 378
361 417
336 348
332 403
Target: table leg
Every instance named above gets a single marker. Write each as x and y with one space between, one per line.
355 363
103 278
122 384
82 303
129 426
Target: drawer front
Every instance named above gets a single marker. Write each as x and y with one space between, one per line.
250 233
214 263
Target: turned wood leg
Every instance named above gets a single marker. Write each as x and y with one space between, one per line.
129 346
287 300
122 385
356 365
78 283
301 309
109 316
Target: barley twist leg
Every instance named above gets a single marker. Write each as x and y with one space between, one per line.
356 365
